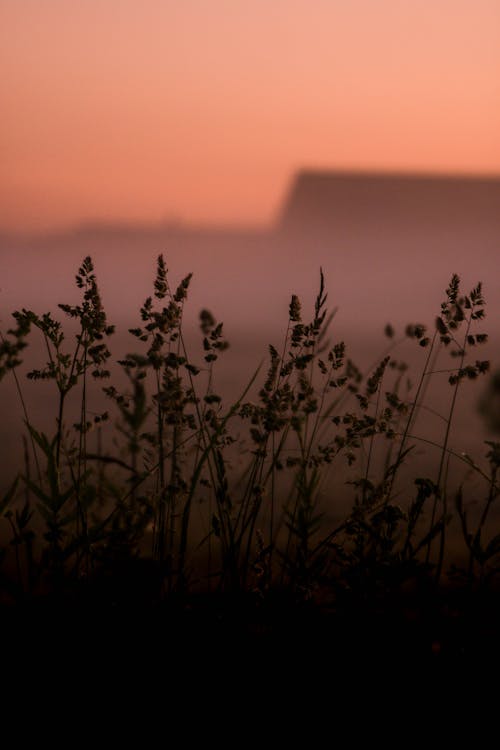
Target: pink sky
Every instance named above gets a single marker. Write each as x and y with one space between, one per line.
202 109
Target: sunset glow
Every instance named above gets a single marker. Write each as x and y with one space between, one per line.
201 110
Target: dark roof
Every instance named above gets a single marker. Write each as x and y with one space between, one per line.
325 199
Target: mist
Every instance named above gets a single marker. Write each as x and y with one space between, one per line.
386 243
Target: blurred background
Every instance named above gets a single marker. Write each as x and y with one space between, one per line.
252 143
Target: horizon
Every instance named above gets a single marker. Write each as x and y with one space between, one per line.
96 223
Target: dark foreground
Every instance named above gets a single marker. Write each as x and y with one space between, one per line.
252 635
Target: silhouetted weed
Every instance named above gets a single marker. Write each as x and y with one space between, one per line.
163 513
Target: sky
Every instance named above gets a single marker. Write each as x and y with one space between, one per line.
201 110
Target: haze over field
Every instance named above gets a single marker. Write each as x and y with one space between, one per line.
388 245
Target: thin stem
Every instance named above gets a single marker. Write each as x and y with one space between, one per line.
82 459
16 541
62 397
26 417
415 405
447 433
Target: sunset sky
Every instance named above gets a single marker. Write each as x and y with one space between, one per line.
201 110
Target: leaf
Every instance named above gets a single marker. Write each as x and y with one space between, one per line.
41 439
436 529
493 547
23 517
46 499
9 496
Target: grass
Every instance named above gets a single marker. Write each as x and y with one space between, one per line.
202 509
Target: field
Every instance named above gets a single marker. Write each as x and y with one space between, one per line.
306 504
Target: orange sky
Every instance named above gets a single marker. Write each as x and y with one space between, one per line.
202 109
